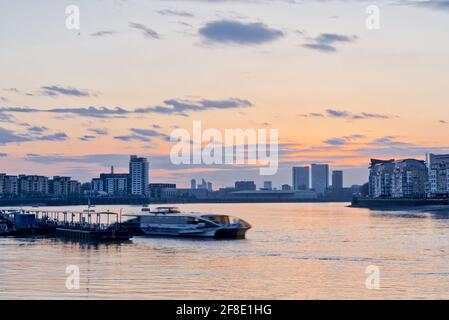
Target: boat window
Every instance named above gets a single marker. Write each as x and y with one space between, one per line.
192 220
218 219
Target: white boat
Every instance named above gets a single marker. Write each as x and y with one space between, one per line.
170 221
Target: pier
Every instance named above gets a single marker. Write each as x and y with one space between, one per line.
87 225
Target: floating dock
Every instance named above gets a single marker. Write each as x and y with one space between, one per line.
71 225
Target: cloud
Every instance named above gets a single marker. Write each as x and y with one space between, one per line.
60 136
312 115
146 31
432 4
182 106
99 131
103 33
179 13
365 115
442 121
15 90
133 137
390 141
343 140
235 32
331 38
37 130
103 160
8 136
325 42
100 112
87 138
337 113
4 117
4 99
320 47
171 106
56 90
344 114
149 133
2 154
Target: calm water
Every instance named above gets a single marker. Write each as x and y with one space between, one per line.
294 251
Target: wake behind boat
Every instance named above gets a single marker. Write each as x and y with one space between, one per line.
169 221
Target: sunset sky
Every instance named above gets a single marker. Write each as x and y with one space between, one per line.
74 102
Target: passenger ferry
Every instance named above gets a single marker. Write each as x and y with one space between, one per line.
169 221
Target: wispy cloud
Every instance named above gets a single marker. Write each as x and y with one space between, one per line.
146 31
344 114
56 90
60 136
171 106
326 42
149 133
4 117
339 141
103 33
15 90
37 130
236 32
181 107
133 137
99 131
390 141
173 12
8 136
432 4
87 138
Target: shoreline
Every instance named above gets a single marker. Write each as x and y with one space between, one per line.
141 201
398 203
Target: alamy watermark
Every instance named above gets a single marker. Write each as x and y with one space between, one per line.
373 20
72 281
72 20
258 147
372 281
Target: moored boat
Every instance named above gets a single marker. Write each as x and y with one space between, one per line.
170 221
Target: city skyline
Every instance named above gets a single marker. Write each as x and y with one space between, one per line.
194 184
338 92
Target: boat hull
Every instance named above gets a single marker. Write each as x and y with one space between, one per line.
216 233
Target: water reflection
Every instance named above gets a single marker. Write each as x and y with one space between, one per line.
294 251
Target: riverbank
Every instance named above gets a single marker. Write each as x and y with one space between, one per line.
397 203
144 201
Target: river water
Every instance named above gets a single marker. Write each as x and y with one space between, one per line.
293 251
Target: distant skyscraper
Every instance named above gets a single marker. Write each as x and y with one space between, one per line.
245 186
209 186
320 177
139 175
268 185
193 184
202 185
337 179
300 178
